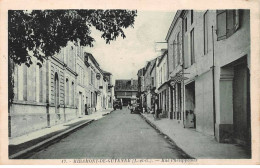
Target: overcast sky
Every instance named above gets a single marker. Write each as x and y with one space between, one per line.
124 57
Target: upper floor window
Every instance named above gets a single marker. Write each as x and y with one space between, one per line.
174 54
72 93
67 91
227 23
192 53
178 49
205 31
185 24
191 16
92 77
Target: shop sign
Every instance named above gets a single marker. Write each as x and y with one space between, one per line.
177 79
98 76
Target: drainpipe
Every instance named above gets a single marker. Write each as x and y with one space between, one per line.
213 82
183 89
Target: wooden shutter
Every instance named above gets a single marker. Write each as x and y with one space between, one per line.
236 25
230 22
186 52
221 24
174 54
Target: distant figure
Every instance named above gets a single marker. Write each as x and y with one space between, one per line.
128 105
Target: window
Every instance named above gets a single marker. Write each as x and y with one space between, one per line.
165 72
41 84
178 49
92 77
24 82
67 91
174 54
191 16
160 74
91 99
72 93
185 24
153 81
227 23
205 30
192 47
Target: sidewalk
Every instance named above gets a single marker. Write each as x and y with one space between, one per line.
25 143
194 143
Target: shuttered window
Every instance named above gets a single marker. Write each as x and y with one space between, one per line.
178 49
174 54
192 53
185 24
205 29
191 16
227 23
186 55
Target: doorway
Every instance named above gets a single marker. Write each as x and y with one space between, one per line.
80 103
190 119
56 97
241 105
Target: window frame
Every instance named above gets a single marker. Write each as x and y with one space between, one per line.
192 47
205 32
191 17
228 32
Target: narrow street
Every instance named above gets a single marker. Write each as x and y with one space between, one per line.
118 135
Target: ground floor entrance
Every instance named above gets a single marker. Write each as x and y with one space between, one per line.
190 115
241 104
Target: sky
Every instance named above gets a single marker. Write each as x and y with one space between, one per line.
124 57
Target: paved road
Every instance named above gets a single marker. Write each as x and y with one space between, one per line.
118 135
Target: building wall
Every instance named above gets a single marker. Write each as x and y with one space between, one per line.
200 69
174 48
204 104
34 102
229 53
81 82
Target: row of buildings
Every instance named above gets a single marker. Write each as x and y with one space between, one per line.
66 86
126 90
202 79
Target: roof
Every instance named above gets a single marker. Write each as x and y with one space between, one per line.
163 55
153 62
125 85
141 72
90 56
153 65
107 73
177 15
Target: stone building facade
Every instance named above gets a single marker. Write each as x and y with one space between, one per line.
126 91
209 73
56 91
44 93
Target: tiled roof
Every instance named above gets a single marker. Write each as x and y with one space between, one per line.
125 85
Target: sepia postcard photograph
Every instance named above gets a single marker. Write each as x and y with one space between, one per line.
129 82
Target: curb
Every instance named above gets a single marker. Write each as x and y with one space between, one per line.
170 140
108 113
47 142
